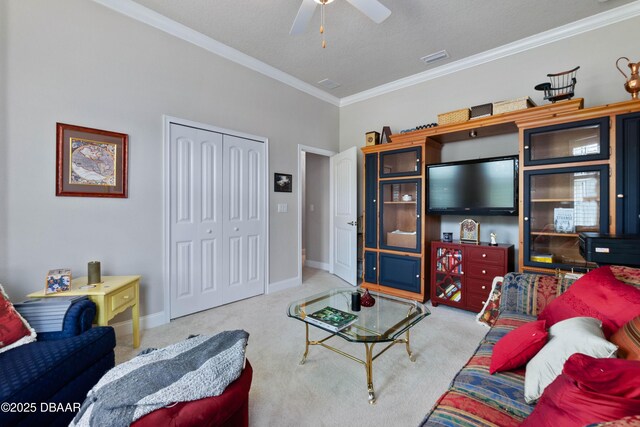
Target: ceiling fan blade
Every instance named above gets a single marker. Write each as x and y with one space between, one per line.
303 17
375 10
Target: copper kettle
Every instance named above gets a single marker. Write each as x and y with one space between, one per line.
633 82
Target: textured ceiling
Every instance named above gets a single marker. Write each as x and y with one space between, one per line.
360 54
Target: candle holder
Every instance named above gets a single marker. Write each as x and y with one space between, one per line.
93 268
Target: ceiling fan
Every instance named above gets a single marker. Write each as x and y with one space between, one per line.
373 9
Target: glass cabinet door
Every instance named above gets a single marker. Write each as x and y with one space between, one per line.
400 215
560 204
570 142
403 162
448 274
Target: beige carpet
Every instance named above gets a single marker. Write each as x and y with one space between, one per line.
329 390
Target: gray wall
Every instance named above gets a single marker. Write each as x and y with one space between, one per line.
3 139
317 230
74 61
599 82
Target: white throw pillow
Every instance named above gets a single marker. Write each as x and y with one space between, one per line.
576 335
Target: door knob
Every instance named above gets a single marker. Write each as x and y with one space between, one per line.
353 223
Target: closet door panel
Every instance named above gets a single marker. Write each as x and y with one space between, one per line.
245 225
195 219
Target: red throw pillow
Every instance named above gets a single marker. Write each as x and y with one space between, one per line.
14 330
597 294
589 391
518 347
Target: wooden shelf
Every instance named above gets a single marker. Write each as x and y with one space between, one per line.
553 200
498 124
552 233
412 202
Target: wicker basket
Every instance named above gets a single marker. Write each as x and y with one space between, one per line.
512 105
457 116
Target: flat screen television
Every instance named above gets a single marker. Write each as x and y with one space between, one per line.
478 187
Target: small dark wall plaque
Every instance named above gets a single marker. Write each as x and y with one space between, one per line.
282 182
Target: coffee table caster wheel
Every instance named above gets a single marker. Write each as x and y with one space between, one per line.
372 395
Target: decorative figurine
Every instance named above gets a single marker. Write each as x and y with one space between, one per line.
367 300
632 85
561 86
493 240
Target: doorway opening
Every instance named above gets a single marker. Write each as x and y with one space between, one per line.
314 209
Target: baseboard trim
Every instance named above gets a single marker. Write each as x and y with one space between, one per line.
284 284
317 264
146 322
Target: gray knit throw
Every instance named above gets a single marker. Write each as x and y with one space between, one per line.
199 367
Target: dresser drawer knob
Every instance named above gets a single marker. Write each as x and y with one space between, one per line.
484 255
484 271
484 287
483 302
417 275
126 297
374 268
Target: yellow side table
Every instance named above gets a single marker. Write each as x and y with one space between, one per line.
113 296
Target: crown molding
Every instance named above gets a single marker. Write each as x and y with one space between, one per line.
161 22
600 20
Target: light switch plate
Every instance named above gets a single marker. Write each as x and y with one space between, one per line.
283 207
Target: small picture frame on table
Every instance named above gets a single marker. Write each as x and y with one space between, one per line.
91 162
282 182
58 280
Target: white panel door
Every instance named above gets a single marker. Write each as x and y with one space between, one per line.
244 234
344 249
196 272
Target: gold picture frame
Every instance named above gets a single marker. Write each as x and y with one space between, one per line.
91 162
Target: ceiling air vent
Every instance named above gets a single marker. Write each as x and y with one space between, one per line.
429 59
328 84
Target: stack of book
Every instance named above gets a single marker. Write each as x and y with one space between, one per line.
46 314
331 319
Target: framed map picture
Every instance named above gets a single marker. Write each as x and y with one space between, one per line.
90 162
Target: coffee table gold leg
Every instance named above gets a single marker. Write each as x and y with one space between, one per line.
369 367
306 344
408 345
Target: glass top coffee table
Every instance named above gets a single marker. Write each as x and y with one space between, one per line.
387 321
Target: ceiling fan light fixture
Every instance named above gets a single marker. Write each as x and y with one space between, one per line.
323 1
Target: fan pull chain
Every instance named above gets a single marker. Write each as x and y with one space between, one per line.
324 42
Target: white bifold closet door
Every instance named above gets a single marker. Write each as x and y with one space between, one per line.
218 224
